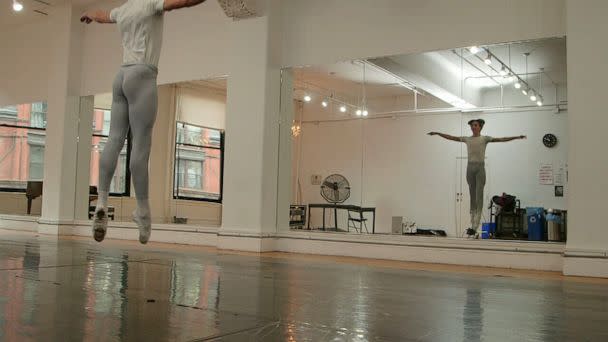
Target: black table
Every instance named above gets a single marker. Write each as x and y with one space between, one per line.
335 207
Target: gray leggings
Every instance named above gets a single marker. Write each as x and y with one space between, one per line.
134 104
476 177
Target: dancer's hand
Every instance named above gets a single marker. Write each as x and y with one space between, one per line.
432 133
86 18
523 137
98 16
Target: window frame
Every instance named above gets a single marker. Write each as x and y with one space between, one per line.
42 129
175 186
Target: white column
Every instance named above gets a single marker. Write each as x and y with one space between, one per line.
587 246
83 158
252 135
284 190
61 147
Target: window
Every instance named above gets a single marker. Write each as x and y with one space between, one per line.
120 185
198 163
22 140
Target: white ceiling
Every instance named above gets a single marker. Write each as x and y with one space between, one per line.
442 69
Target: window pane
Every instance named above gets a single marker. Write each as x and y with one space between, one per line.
198 173
199 136
21 156
29 115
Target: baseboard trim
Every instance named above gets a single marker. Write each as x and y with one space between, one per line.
585 266
470 256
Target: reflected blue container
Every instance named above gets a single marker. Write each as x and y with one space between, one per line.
488 230
536 224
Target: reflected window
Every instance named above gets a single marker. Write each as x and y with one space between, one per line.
198 163
22 141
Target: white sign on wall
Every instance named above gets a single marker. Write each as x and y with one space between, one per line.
545 174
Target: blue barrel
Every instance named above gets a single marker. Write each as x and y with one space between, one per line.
488 230
536 224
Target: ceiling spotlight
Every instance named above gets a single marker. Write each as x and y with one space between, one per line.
474 49
517 85
525 91
488 59
365 112
324 103
307 98
17 6
343 109
503 71
540 101
532 96
359 112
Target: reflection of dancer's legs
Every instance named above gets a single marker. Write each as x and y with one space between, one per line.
476 178
134 105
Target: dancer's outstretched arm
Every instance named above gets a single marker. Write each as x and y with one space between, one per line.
103 17
446 136
505 139
171 5
98 16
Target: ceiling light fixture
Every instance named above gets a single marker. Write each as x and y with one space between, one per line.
517 84
359 112
324 103
474 49
307 98
343 109
503 71
17 6
540 101
525 91
488 59
532 96
365 112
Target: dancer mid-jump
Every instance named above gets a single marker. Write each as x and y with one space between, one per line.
476 171
134 101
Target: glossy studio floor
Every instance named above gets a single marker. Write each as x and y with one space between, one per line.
73 289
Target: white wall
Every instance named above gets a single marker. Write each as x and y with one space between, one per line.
24 72
195 46
394 166
587 71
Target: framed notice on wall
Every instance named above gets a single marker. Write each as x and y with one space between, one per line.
545 174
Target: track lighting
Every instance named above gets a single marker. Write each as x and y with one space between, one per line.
365 112
324 104
517 85
359 112
474 49
343 109
532 96
488 59
525 91
17 6
307 98
503 71
539 102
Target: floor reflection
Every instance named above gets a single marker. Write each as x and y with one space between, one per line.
77 290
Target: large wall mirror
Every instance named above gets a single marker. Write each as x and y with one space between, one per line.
363 162
186 161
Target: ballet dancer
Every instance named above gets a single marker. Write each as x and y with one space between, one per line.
476 171
134 101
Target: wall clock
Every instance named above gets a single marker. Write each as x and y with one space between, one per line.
549 140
